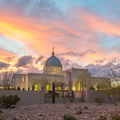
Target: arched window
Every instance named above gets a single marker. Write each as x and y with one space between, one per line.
79 85
47 87
58 87
36 87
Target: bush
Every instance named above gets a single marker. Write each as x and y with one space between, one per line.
7 101
78 110
86 107
18 88
68 117
91 88
57 96
0 112
102 117
99 100
49 96
50 92
115 117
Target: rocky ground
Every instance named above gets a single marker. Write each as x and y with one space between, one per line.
56 111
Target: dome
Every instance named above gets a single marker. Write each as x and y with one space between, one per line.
53 61
52 65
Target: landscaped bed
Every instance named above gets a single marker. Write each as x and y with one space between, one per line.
56 111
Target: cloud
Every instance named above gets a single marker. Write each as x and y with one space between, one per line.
24 60
40 25
28 69
76 65
80 54
107 65
1 34
87 51
117 66
8 59
3 65
65 62
93 68
100 60
96 23
4 54
39 58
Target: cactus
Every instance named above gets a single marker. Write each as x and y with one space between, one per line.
53 93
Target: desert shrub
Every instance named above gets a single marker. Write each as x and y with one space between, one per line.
57 96
91 88
78 110
99 100
8 88
3 117
0 112
68 117
102 117
18 88
67 96
50 92
86 107
115 117
7 101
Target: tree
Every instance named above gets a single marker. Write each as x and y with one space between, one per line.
33 82
113 91
6 79
88 81
42 83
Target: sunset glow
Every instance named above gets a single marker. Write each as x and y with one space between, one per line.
84 35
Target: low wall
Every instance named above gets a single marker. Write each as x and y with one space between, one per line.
77 93
60 100
90 95
26 97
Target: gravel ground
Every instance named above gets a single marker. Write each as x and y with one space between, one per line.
56 111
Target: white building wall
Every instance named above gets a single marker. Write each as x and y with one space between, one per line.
50 77
17 78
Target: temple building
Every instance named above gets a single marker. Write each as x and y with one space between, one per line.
76 79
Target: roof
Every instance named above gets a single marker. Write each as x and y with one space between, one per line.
53 61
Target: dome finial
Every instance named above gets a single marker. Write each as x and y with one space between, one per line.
53 54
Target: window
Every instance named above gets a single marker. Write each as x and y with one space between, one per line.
79 85
47 88
55 69
58 87
48 69
36 87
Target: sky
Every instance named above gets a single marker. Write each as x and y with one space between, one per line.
85 33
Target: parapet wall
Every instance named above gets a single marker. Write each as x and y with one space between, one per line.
90 95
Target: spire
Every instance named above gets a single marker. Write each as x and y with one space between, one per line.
53 54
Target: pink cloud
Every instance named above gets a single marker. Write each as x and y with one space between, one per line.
78 33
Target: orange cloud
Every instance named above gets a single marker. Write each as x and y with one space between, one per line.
5 54
66 36
37 36
96 23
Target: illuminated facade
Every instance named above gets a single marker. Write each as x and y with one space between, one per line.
52 71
